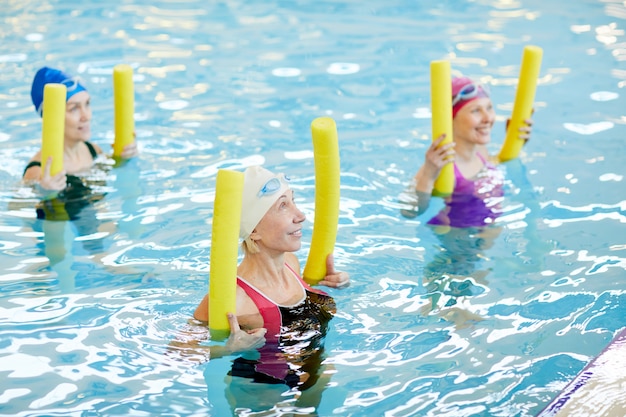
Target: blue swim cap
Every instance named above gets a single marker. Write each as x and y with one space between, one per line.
48 75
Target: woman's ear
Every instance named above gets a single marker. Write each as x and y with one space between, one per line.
254 236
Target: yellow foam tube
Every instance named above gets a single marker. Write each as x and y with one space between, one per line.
53 127
224 249
524 100
124 102
327 184
441 108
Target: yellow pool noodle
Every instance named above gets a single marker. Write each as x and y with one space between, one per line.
441 108
53 127
124 103
327 184
224 249
524 100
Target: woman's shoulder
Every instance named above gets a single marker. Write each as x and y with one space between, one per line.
36 157
486 157
33 167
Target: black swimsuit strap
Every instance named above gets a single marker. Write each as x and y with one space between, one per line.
92 151
30 165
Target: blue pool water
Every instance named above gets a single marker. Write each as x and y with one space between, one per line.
462 324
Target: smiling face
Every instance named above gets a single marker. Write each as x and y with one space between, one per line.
78 117
473 122
280 229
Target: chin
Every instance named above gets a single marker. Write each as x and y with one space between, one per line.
485 139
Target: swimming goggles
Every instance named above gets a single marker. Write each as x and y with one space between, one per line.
272 185
469 92
71 83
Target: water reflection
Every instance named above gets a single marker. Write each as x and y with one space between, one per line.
454 273
515 361
278 377
73 225
465 230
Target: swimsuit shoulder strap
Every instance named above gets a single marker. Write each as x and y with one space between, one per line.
272 319
92 149
303 282
30 165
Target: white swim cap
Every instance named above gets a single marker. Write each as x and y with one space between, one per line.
261 189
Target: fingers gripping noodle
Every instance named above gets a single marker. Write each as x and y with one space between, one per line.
124 103
224 250
524 99
327 184
53 127
441 108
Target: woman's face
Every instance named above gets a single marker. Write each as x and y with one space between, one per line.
78 117
280 229
473 122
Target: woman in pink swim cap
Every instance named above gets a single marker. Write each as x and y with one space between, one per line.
465 226
477 180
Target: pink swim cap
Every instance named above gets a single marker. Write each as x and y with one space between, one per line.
464 90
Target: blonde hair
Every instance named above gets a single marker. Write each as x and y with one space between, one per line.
249 246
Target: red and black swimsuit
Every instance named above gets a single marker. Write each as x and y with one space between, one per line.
294 338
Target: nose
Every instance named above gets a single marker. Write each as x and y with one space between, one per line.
85 114
300 217
489 115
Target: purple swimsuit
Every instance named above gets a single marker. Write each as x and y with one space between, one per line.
475 202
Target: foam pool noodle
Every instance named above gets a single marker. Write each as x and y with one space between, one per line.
441 108
327 184
124 103
53 127
524 100
224 250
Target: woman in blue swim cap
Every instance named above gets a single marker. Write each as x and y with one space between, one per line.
78 152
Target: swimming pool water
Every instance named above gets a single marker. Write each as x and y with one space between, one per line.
463 324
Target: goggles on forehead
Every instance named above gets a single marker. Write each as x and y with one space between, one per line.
71 83
272 185
469 92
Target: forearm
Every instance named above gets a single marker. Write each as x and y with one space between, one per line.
414 202
185 346
202 311
416 198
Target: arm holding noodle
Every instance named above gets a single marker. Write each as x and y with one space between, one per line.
130 150
417 197
46 180
334 279
437 156
187 343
